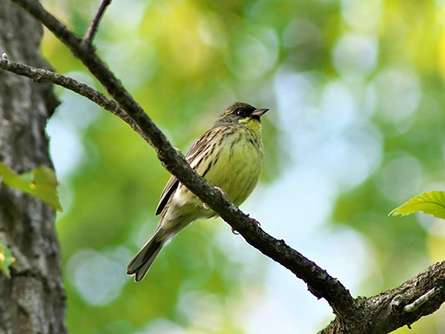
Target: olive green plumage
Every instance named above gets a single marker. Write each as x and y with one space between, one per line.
229 156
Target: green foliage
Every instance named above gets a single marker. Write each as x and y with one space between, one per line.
39 182
6 260
432 203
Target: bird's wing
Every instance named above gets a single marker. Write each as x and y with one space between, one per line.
199 146
169 189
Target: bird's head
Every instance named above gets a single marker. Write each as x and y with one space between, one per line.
241 113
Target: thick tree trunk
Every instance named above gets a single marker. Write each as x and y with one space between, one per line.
32 300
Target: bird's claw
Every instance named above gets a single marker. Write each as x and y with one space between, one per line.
222 193
254 222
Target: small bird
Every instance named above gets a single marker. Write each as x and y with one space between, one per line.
229 156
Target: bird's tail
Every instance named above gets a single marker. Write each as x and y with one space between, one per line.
145 257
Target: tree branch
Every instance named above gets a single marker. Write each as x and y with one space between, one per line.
376 314
44 75
92 29
319 282
402 306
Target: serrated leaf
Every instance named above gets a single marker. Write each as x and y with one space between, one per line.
6 260
39 182
432 203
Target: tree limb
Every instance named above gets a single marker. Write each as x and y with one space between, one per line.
319 282
44 75
352 314
402 306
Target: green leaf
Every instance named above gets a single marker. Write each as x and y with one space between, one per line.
6 260
432 203
39 182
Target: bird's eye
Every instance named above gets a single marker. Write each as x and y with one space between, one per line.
242 112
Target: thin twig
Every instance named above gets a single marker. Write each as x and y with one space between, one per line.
92 29
44 75
414 306
320 283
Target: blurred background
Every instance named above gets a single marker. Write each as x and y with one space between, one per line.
357 126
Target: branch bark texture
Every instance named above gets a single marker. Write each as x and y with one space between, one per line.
391 309
31 301
379 314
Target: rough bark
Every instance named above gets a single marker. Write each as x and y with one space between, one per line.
32 300
404 305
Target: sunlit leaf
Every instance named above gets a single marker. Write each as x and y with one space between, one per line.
39 182
6 260
44 186
432 203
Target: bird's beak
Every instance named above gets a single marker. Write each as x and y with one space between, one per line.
259 112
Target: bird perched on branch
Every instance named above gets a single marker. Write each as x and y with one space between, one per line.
229 156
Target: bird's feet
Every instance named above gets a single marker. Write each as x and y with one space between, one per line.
254 222
251 220
222 193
